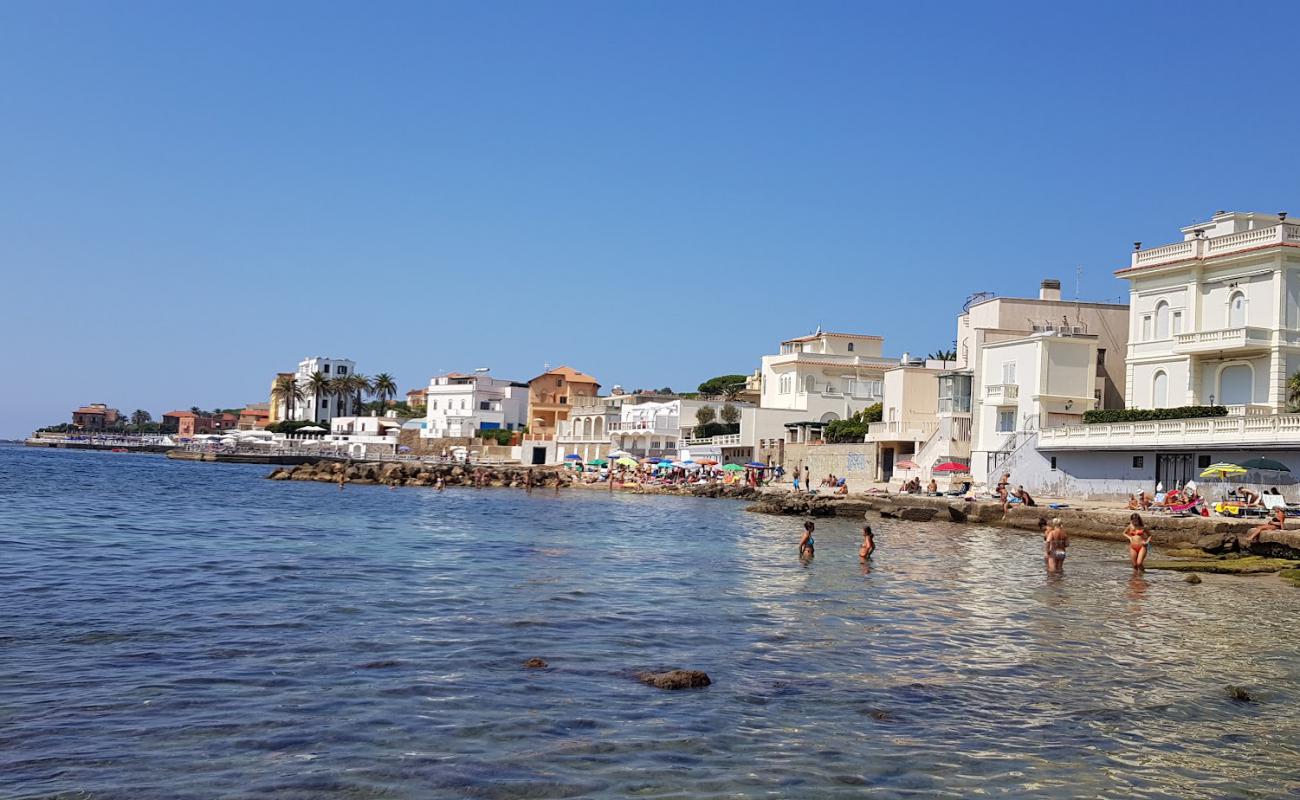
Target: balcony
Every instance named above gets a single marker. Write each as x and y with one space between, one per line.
1224 340
1002 392
901 431
1277 430
1196 249
726 440
660 425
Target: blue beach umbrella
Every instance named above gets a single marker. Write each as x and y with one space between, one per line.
573 457
756 465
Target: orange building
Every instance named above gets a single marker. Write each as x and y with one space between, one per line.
552 394
416 398
254 417
95 417
186 423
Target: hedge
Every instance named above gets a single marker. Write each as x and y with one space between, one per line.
1100 415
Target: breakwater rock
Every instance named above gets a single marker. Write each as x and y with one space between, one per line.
416 473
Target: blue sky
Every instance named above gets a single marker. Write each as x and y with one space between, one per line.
196 195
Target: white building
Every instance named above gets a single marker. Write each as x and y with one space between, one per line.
1216 317
586 433
1029 384
828 376
458 405
365 437
1215 321
324 407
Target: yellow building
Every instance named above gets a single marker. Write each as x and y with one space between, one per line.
276 405
552 394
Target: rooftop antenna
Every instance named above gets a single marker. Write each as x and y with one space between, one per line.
1078 281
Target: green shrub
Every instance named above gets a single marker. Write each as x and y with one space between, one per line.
853 429
1100 415
709 429
499 435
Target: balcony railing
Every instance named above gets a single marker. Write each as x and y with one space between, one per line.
726 440
1217 246
656 425
900 430
1274 429
1002 391
1243 338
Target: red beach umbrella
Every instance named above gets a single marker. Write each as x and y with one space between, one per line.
905 465
950 466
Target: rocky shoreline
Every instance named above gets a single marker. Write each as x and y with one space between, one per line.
1212 535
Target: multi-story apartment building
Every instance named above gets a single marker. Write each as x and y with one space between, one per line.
551 397
586 433
459 405
828 376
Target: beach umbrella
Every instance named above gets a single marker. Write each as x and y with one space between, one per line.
665 464
733 468
1265 464
951 466
626 462
573 457
687 463
403 449
1222 470
311 429
905 464
619 454
708 462
756 465
598 462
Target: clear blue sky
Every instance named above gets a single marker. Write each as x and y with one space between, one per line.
194 196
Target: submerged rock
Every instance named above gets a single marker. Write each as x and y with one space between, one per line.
535 663
675 679
1240 694
1193 578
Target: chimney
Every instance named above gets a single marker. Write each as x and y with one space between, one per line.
1050 289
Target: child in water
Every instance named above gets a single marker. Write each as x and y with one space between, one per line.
868 543
806 541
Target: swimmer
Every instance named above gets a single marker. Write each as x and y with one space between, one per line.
806 541
1054 545
868 543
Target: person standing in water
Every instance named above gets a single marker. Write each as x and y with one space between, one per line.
868 543
1054 544
1139 541
806 546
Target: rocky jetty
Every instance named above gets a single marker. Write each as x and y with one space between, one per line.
415 473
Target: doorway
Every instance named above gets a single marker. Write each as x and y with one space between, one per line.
1175 469
539 456
887 463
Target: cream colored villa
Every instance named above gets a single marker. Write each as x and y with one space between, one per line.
828 376
1216 317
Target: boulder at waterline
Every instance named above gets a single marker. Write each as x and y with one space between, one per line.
675 679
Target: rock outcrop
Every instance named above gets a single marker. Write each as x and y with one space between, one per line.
675 679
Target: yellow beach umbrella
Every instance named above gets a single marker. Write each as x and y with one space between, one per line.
626 462
1222 471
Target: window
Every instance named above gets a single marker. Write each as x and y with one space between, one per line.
342 371
850 386
433 404
1162 320
1202 462
1146 328
1053 462
326 369
850 347
809 384
1138 461
1007 421
324 404
484 405
1237 310
1176 326
1008 372
1101 356
564 400
1160 390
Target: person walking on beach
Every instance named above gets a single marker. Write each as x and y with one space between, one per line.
807 479
806 546
868 543
1002 493
1139 541
1054 544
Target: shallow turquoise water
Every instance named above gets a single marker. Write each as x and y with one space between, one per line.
178 630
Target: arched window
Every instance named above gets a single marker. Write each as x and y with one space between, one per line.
1160 390
1237 310
809 384
1236 385
1162 321
600 428
850 347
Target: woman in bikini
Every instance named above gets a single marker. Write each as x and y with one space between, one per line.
1277 523
1139 541
806 541
1054 543
868 543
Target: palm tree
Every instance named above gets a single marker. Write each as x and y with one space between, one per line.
287 391
384 388
354 386
943 355
318 385
1293 392
338 389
